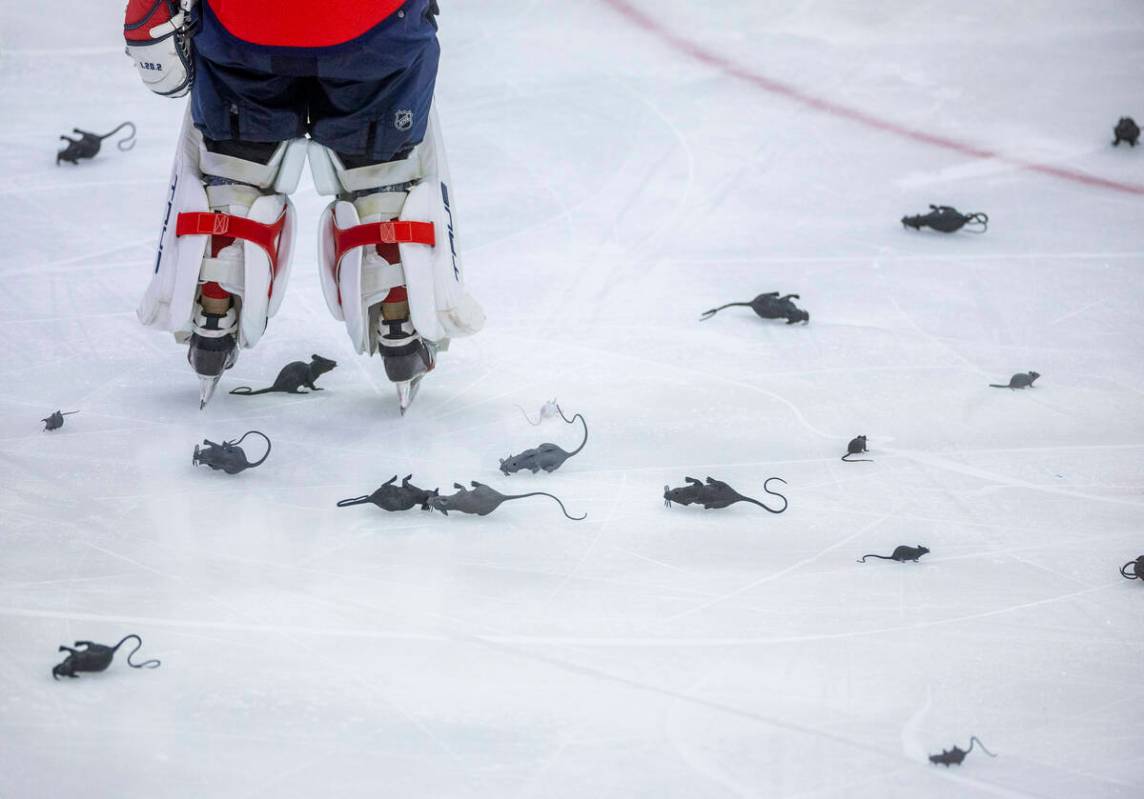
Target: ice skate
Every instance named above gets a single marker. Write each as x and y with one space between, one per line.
407 358
406 355
213 346
211 355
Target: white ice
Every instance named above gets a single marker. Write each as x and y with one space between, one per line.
612 185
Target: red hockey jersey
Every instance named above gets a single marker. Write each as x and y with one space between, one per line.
301 23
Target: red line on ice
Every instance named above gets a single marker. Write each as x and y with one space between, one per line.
699 53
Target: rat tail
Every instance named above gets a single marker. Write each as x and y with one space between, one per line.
848 459
583 421
246 391
128 141
997 385
1125 570
146 664
708 314
558 502
766 487
974 740
362 500
977 222
264 437
883 557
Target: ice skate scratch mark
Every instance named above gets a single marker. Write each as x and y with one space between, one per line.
572 573
951 257
782 572
935 461
681 206
729 67
22 190
1078 311
911 730
742 713
794 409
596 642
679 734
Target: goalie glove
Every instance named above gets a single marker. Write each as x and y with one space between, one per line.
158 35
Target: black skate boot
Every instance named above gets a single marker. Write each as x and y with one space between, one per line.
407 356
213 349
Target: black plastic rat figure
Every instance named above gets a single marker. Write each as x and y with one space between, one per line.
228 456
856 447
767 306
1133 569
87 146
954 756
483 500
716 494
1019 380
548 457
96 657
293 377
901 554
1126 130
395 498
56 420
948 220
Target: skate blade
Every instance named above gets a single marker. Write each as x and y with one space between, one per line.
407 392
207 386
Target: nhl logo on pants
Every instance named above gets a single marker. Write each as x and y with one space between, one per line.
403 119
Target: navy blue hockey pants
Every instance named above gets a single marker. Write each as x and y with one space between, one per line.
368 98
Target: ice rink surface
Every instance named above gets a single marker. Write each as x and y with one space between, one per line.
620 166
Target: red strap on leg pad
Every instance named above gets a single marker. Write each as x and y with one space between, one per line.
395 231
267 237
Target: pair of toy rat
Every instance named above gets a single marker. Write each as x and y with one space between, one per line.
480 500
716 494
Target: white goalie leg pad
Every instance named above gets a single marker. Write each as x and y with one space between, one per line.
182 263
356 281
168 300
435 276
439 304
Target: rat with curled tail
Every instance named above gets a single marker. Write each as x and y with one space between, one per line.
856 447
717 494
947 220
901 554
293 377
228 456
1019 380
482 500
96 657
56 420
87 145
548 457
395 498
954 756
